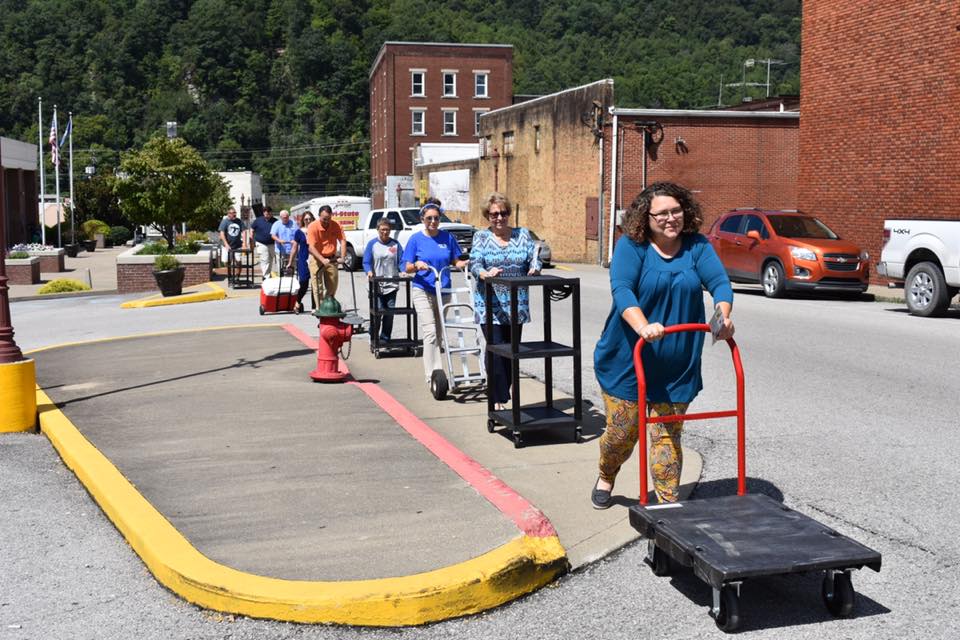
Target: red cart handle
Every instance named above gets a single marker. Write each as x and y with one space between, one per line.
738 412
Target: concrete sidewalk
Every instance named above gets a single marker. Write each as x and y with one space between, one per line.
245 487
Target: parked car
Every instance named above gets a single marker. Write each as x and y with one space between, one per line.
924 257
546 256
787 251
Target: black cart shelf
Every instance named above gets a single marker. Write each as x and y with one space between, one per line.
240 268
531 418
412 344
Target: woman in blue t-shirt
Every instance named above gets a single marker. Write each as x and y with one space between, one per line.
502 250
436 248
658 270
301 252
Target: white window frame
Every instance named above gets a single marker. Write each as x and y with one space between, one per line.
476 120
454 122
423 83
443 78
413 121
485 74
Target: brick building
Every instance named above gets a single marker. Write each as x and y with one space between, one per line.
728 159
429 92
878 136
556 156
18 171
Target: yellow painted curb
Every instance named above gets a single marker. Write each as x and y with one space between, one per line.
562 267
494 578
157 300
18 402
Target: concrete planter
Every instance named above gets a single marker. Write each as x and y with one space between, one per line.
135 272
23 271
51 260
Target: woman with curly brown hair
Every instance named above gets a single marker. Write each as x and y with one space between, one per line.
659 267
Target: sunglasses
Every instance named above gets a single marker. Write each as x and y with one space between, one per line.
499 214
431 218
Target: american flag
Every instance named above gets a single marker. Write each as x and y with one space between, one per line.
54 149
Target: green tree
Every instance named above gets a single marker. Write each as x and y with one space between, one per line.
166 183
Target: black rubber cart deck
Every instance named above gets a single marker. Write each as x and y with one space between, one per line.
730 539
411 343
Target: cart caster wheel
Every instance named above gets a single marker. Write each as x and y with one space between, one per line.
490 425
517 440
577 436
728 618
261 310
418 352
659 562
377 354
838 594
439 385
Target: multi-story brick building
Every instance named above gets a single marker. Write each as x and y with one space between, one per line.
429 92
879 133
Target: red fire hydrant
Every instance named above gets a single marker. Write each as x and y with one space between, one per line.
333 334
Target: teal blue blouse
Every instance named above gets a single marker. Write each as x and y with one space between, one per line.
668 291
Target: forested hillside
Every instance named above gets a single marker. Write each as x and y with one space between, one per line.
280 86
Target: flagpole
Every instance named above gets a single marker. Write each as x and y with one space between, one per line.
56 169
73 229
43 185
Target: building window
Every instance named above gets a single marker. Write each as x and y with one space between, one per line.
418 84
449 122
449 84
418 122
485 146
480 84
476 120
508 143
536 139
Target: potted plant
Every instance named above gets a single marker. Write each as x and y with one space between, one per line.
94 232
168 273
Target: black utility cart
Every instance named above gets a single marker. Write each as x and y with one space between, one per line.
410 344
730 539
531 418
240 268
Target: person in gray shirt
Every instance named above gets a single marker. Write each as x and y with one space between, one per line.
381 258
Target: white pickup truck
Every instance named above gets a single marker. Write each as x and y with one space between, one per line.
406 222
923 255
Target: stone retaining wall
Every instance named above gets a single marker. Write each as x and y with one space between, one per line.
51 261
135 272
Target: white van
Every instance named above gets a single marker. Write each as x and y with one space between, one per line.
347 210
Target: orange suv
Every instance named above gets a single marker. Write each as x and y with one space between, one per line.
787 251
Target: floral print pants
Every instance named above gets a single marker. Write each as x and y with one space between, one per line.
620 436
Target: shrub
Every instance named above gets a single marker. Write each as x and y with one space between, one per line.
193 236
91 227
165 262
17 255
62 285
161 249
119 235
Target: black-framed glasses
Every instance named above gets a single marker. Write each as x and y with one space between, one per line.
662 216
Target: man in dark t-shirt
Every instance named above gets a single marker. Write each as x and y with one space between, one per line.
264 241
232 231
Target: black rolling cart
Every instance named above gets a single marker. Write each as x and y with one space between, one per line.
240 268
519 418
411 343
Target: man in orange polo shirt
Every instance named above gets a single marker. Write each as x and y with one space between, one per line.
322 237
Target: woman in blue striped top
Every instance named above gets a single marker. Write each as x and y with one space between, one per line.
502 250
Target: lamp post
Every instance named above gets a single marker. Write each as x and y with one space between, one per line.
18 378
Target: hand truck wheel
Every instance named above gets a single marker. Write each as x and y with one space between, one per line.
838 594
728 617
439 385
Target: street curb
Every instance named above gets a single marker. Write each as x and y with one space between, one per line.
505 573
157 300
68 294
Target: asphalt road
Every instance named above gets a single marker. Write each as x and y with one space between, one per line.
852 418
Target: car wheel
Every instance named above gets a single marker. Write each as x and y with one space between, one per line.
773 280
350 264
926 290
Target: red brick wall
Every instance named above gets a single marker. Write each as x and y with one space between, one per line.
390 100
727 162
23 273
132 278
881 112
52 264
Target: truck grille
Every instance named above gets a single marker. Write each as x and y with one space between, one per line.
841 261
464 239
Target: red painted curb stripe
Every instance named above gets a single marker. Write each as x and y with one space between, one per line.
530 520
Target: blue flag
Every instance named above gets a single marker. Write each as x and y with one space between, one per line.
66 132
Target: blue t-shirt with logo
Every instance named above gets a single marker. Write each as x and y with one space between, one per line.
439 251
